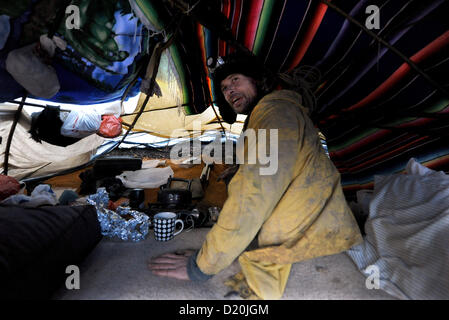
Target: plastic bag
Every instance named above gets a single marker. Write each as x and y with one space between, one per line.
146 178
81 123
110 127
30 72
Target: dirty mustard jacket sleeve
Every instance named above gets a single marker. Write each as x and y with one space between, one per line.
252 197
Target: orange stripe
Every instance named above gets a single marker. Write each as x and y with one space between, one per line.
200 33
435 163
354 187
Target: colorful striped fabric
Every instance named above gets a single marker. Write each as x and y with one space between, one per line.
375 110
378 103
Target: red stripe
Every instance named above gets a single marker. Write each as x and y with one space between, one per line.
235 20
227 12
415 123
202 45
423 120
380 134
252 23
403 70
310 34
387 155
369 139
334 116
226 8
200 34
384 147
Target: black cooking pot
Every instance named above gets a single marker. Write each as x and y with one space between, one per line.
175 196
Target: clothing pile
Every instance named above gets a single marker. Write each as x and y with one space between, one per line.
407 234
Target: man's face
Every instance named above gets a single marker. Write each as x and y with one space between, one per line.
240 92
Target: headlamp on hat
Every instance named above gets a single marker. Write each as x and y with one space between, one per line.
221 68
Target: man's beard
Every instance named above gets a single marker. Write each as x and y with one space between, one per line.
251 105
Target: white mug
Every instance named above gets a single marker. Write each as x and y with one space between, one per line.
164 226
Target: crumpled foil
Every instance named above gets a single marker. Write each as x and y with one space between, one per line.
113 224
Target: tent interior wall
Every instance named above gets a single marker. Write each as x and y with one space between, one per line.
375 109
377 69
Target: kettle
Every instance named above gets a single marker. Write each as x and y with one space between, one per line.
177 197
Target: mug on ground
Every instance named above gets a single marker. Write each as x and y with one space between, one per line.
164 226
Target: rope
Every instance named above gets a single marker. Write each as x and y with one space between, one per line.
389 46
190 9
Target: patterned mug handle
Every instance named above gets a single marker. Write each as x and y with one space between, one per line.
182 228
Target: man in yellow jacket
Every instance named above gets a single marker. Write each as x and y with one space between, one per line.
296 214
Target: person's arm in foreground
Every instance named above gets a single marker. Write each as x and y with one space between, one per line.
252 197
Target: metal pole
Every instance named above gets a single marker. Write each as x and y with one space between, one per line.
11 134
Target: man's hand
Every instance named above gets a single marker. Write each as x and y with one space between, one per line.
173 265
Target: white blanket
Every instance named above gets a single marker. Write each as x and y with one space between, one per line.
407 234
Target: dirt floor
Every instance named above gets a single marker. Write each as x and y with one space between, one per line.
332 277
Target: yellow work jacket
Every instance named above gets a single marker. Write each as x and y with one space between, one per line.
296 214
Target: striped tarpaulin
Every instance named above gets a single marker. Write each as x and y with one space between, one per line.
375 109
383 93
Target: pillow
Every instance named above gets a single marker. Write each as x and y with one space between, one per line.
37 245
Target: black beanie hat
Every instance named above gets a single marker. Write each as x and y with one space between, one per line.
245 64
